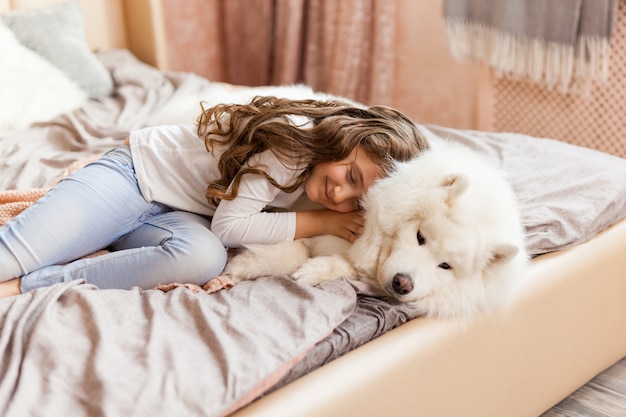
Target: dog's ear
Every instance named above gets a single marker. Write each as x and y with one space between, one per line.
455 184
503 252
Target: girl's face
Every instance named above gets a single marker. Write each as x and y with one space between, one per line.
340 185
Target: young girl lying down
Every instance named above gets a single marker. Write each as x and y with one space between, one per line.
168 201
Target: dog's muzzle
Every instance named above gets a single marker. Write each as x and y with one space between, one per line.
402 283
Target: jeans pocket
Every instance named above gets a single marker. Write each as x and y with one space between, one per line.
120 155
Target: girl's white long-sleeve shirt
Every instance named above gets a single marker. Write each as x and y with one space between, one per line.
173 167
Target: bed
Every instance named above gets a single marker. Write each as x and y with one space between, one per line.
272 347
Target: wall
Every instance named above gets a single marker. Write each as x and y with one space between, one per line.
430 86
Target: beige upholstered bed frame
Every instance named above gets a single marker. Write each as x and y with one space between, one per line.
566 326
567 323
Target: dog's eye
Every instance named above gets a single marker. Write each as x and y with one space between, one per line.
420 238
445 265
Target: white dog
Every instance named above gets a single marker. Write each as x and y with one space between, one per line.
442 231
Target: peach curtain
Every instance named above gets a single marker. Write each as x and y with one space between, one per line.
341 47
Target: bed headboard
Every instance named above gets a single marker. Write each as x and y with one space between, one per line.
136 25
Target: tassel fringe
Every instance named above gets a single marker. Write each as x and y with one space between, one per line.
568 68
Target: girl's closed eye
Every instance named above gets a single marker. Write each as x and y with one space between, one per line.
355 175
351 175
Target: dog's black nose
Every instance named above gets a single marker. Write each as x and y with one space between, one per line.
402 283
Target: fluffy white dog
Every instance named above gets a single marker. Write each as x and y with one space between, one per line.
442 231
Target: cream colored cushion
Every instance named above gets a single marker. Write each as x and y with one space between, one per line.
57 33
31 88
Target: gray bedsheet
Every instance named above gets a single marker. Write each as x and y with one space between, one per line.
73 350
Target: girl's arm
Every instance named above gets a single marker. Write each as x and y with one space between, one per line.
242 221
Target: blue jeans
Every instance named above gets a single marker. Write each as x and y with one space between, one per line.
101 206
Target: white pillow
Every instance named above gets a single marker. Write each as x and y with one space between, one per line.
57 33
31 88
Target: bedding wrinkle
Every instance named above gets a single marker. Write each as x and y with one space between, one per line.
371 318
145 344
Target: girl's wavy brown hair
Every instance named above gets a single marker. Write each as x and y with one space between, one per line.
336 128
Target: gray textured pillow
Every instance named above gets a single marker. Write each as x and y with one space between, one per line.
57 33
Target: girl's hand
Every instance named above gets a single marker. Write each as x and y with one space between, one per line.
345 225
348 226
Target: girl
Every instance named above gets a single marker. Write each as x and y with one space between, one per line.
148 202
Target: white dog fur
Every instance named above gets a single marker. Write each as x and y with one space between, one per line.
442 231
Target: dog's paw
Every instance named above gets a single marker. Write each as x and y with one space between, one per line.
230 279
261 260
323 268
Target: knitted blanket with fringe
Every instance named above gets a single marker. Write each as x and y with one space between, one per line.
13 202
562 44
